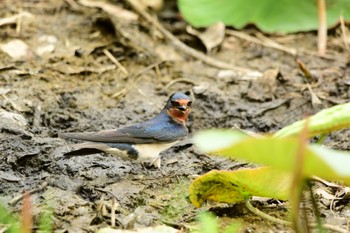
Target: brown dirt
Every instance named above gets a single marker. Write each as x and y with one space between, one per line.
76 87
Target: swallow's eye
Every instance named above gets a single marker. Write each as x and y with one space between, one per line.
175 103
189 103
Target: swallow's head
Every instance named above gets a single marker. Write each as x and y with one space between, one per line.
178 106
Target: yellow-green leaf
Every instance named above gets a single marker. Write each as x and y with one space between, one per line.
236 186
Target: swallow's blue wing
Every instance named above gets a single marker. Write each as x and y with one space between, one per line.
162 128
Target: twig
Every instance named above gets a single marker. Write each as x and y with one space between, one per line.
265 216
305 71
19 25
115 61
136 78
266 42
113 212
73 4
287 223
183 47
19 197
184 80
269 44
13 19
248 133
322 27
314 98
325 182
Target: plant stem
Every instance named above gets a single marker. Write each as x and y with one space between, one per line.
322 27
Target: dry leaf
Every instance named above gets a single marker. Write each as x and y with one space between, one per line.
212 37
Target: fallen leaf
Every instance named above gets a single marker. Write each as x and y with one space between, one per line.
263 88
212 37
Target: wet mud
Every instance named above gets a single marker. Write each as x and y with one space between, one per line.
75 87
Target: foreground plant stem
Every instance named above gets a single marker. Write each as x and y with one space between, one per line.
298 179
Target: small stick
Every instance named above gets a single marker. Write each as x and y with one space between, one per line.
19 197
263 215
19 25
314 98
303 68
322 27
113 212
267 43
274 45
184 80
327 183
115 61
249 133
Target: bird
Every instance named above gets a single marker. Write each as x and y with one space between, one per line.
141 142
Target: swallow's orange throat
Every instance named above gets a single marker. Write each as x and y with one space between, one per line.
178 115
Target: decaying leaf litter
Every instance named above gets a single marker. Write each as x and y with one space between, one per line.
60 75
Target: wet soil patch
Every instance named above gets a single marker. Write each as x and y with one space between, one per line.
75 87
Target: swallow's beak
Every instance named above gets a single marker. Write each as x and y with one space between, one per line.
182 107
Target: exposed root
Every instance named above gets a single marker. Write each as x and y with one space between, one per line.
270 218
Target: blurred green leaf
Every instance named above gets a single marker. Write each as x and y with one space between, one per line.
236 186
279 153
268 15
46 220
10 221
208 223
325 121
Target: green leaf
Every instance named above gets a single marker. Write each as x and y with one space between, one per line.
10 220
325 121
280 153
208 223
236 186
268 15
46 220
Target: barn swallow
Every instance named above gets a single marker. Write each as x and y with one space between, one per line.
141 142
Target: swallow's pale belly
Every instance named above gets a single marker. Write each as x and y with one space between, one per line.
144 153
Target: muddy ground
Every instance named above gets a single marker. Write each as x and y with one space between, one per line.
64 81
